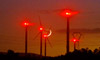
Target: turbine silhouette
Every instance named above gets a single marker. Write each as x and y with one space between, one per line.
41 35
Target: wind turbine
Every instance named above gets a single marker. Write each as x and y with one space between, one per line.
46 39
41 33
41 29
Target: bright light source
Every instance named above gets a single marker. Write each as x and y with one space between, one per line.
74 40
41 28
26 24
45 35
67 13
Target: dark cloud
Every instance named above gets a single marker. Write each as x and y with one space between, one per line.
96 30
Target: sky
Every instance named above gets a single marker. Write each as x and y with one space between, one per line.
14 12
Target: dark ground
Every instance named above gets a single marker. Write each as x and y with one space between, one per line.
83 54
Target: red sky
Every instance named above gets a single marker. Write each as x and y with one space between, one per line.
14 12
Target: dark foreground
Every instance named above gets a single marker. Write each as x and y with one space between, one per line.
83 54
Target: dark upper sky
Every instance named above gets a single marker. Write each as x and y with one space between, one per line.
10 10
13 12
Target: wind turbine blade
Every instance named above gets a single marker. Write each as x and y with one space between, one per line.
40 21
49 43
36 36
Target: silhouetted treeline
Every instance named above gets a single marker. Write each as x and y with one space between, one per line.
10 55
82 54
